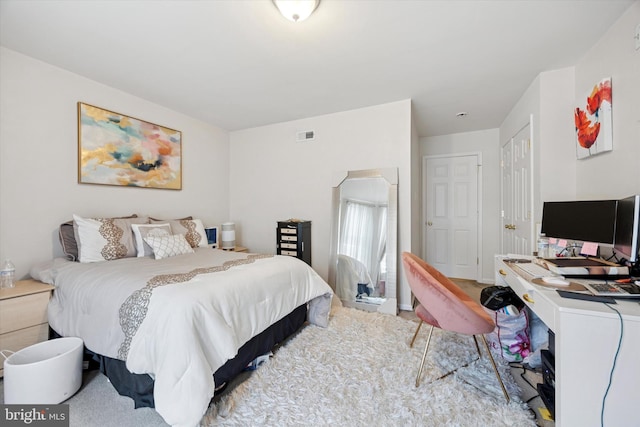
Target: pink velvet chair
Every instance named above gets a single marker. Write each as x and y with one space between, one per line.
444 305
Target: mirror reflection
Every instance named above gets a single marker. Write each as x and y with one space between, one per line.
363 249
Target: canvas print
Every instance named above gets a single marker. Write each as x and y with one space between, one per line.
114 149
594 131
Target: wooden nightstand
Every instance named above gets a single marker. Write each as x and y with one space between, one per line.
237 249
23 315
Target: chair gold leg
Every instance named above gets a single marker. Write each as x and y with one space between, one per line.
424 357
495 368
415 335
475 340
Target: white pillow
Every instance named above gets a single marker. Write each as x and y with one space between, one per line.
104 239
140 231
168 246
193 230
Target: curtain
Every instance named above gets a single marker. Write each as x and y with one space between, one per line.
363 236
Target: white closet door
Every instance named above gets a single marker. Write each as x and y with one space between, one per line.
517 194
451 215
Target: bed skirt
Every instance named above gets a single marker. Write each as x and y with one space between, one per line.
139 387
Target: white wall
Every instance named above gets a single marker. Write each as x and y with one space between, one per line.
273 178
614 174
548 103
484 142
38 160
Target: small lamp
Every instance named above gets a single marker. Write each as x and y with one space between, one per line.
228 235
296 10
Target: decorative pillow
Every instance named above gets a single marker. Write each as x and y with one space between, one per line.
105 239
192 229
168 246
152 219
68 240
140 231
67 237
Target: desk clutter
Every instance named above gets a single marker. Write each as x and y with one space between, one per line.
597 335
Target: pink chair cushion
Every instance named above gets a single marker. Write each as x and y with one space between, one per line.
442 302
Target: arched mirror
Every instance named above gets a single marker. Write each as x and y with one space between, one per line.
362 268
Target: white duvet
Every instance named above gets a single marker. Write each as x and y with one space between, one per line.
179 333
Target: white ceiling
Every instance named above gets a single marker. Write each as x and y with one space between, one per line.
239 64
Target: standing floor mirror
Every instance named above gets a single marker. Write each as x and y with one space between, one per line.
363 258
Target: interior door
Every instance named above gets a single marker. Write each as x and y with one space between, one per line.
507 224
451 215
517 194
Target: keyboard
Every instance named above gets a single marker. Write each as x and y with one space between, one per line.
603 287
534 270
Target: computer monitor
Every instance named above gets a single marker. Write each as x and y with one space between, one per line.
628 228
582 220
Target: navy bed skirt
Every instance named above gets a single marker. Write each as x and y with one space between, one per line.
139 387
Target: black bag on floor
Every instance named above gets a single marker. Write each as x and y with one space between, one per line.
496 297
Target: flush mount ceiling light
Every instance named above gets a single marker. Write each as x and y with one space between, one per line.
296 10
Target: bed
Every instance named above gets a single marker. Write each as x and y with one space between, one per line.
187 322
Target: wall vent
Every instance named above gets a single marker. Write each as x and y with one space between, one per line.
305 136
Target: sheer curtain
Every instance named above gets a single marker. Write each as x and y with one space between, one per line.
363 235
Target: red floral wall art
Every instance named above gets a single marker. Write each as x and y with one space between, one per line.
593 123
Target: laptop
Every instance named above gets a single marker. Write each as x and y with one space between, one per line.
612 289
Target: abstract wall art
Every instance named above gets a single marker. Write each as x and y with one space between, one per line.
594 130
114 149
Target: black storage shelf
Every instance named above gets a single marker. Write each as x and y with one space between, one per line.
293 238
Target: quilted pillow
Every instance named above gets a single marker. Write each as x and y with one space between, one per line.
193 230
168 246
140 231
105 239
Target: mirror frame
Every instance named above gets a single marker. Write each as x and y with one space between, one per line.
390 306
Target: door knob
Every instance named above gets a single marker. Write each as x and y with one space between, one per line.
429 223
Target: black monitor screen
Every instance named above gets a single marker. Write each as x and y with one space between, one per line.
583 220
627 228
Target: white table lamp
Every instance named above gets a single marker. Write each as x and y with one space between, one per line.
228 236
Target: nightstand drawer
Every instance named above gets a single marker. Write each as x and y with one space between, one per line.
17 340
288 231
289 238
289 245
290 253
23 312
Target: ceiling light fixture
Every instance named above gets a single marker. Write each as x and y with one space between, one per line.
296 10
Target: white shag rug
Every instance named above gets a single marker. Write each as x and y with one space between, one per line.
360 371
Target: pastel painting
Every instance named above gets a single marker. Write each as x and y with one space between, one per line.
114 149
594 131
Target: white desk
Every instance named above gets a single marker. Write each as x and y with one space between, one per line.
586 339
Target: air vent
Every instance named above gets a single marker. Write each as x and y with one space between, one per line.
305 136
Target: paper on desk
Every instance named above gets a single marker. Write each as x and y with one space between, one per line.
589 248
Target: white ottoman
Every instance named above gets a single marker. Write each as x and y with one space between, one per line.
49 372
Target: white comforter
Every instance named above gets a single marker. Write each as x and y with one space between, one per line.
188 329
